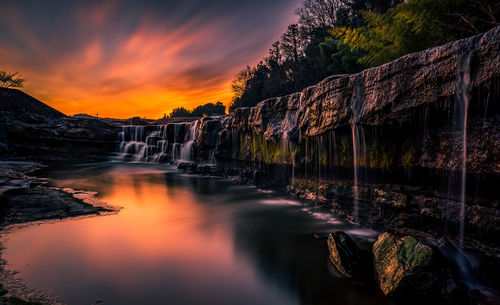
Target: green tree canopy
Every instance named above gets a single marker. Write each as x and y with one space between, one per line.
414 26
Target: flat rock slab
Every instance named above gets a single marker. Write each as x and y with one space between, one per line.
40 203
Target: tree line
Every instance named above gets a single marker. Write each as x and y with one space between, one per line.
208 109
347 36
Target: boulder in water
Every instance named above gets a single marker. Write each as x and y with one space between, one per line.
406 268
345 255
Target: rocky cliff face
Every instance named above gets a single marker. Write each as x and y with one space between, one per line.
405 110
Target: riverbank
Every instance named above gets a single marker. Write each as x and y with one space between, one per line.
27 200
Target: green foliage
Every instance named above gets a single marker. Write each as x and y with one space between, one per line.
341 58
413 26
11 80
257 148
203 110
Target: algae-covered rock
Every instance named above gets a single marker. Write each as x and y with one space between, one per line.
344 253
405 267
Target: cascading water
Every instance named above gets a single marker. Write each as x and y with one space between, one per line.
462 99
131 142
355 152
155 147
187 152
356 149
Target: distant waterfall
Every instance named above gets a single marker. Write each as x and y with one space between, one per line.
157 143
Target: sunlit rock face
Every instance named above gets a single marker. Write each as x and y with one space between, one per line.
411 97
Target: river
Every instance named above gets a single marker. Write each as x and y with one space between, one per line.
183 239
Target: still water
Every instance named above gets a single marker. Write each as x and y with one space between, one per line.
183 239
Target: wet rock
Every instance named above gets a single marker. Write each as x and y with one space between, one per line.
176 132
40 203
207 136
260 177
184 165
389 198
406 268
344 254
192 168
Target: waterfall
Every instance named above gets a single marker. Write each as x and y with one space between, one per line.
355 152
131 144
462 98
235 142
356 103
287 152
151 143
187 152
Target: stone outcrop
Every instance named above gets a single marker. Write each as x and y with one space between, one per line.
405 110
32 129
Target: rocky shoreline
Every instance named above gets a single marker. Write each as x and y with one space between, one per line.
27 200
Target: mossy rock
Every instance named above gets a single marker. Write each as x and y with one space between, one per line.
405 267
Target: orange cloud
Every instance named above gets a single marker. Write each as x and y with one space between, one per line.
100 62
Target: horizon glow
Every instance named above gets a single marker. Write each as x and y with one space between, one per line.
122 59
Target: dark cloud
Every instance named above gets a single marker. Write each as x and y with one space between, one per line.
81 52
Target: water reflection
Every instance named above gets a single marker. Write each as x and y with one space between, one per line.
182 240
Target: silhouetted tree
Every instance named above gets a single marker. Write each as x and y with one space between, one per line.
11 80
203 110
180 112
209 109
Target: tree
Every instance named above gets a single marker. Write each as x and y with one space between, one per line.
180 112
239 84
320 14
416 25
11 80
202 110
209 109
306 53
291 44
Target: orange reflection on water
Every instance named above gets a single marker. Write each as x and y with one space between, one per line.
156 224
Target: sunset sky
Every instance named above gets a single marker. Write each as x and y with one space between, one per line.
125 58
